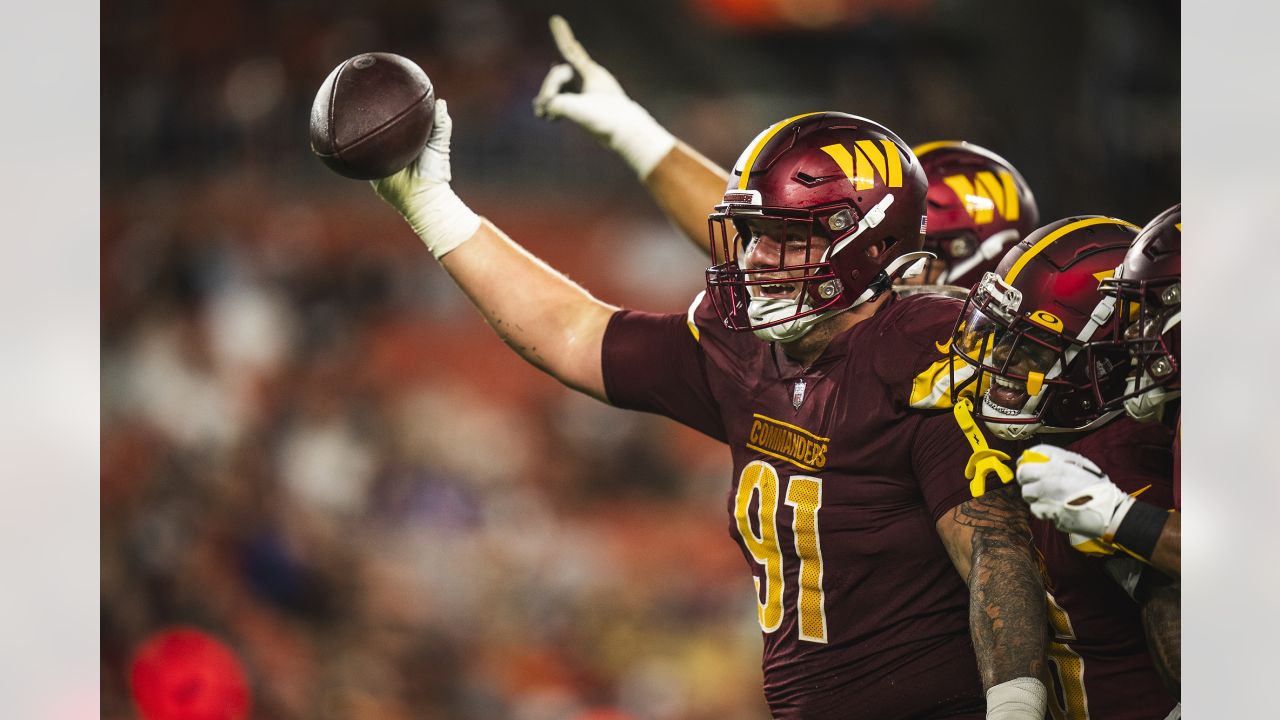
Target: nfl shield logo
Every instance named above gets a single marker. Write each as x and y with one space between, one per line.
797 394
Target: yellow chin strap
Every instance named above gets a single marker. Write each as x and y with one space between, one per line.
985 459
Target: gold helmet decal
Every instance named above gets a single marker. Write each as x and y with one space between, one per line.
988 195
871 160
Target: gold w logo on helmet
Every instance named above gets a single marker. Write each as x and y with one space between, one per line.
870 160
987 194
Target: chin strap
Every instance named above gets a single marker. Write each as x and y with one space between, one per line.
874 217
1096 423
985 459
884 281
990 249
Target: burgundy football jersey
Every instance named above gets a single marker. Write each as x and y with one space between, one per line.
1099 663
837 485
1177 465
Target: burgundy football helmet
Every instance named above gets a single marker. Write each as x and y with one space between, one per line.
1147 288
979 207
1029 325
822 212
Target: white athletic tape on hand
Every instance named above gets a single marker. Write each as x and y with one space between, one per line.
422 194
1023 698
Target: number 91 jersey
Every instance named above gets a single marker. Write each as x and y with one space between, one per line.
837 487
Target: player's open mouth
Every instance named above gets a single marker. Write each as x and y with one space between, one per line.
777 291
1006 396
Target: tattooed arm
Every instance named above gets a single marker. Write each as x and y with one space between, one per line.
989 541
1162 620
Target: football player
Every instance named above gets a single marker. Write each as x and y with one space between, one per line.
979 205
1070 490
1029 328
844 501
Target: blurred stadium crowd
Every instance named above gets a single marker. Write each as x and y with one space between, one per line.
313 448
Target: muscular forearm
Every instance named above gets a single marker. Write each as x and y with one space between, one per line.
545 317
1006 596
1162 620
540 313
687 186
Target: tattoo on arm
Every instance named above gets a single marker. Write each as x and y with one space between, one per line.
1162 620
989 541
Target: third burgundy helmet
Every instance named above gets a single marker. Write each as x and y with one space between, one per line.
1148 288
839 202
979 207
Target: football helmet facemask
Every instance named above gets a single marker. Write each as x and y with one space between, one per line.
1029 325
1147 288
979 206
822 212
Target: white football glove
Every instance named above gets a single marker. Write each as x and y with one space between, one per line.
602 108
1070 490
422 194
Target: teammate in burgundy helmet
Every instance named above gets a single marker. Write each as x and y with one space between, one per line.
979 207
1029 327
1079 492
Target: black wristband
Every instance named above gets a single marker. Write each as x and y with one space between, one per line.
1140 530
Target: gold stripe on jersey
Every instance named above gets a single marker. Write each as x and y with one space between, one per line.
1069 701
787 442
1052 237
764 140
693 307
931 389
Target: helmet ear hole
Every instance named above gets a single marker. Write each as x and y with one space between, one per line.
875 249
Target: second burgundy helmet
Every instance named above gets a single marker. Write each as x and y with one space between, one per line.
979 207
839 198
1029 326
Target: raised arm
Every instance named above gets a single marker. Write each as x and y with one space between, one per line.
989 541
684 183
546 318
687 186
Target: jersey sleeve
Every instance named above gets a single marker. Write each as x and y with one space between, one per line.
917 362
654 363
939 452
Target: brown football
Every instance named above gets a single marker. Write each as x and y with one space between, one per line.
372 115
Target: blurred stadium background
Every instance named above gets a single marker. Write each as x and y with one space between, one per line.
313 448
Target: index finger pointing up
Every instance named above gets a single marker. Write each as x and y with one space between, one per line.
570 48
